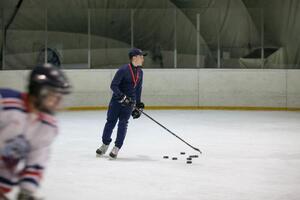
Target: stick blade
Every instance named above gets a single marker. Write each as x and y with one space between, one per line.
198 150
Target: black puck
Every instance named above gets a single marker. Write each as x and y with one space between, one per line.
182 153
166 157
174 158
189 158
194 156
189 162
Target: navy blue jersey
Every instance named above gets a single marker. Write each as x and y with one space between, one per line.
128 82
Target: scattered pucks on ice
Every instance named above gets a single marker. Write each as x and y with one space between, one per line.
174 158
188 162
166 157
182 153
189 158
194 156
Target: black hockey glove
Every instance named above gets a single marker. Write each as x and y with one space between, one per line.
140 106
26 195
136 113
126 101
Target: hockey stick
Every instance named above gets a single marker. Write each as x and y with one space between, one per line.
196 149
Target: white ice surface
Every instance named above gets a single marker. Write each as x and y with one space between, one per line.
246 156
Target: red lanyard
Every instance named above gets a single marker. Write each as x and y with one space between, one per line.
134 79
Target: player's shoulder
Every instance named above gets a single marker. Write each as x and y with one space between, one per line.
123 67
10 93
12 99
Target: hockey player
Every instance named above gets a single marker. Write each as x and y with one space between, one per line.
27 129
126 100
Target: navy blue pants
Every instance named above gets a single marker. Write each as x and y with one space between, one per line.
116 112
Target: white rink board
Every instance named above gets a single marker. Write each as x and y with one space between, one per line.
183 87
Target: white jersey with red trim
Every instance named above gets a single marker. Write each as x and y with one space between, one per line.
25 139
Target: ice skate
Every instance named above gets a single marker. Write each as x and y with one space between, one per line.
101 150
114 152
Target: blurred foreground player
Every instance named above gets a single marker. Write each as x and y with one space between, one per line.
126 100
27 129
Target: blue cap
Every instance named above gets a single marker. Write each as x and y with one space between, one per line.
136 52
